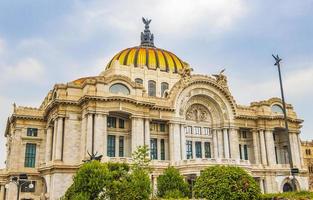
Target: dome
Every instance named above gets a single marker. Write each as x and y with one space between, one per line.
146 54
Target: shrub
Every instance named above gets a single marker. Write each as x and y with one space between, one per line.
302 195
226 182
171 184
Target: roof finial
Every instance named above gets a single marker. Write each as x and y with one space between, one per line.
146 36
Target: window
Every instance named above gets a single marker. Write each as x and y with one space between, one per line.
164 87
206 131
151 88
276 155
198 150
119 88
111 146
111 122
30 155
153 126
207 149
274 136
189 149
277 109
162 150
153 149
121 146
245 150
121 123
240 152
139 80
25 186
32 132
244 134
308 151
188 130
162 127
198 130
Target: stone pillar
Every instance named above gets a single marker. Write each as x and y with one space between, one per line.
59 135
202 150
83 137
147 132
215 143
234 143
270 147
256 147
220 143
137 137
105 134
295 150
55 130
89 134
183 142
263 148
174 142
99 134
226 143
48 144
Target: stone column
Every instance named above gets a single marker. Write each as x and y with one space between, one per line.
55 130
234 143
263 148
295 153
270 147
220 143
215 143
174 142
147 132
100 134
183 142
48 144
137 137
226 143
256 147
59 135
83 137
89 134
202 150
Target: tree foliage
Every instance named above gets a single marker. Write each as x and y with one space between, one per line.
114 181
171 184
226 182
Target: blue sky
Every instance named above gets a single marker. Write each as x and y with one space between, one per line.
48 42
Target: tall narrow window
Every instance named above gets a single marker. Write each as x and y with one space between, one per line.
121 146
111 146
151 88
240 152
121 123
111 122
162 127
188 130
30 155
198 150
154 149
164 87
32 132
207 149
189 149
162 150
198 130
245 150
206 131
276 155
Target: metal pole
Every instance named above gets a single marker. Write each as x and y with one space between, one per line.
277 63
18 191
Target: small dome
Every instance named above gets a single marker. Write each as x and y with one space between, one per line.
151 57
146 54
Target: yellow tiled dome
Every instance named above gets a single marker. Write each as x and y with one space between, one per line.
151 57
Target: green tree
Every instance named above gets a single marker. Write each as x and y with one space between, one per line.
171 184
88 182
141 158
226 182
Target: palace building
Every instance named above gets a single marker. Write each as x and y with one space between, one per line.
149 96
307 153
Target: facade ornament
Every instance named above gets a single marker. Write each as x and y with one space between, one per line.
197 113
221 79
93 156
147 38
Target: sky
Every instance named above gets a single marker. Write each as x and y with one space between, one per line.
47 42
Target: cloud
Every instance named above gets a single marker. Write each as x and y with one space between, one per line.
28 69
179 18
2 46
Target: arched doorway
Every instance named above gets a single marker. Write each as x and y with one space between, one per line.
287 187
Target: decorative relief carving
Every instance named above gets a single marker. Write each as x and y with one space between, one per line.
197 112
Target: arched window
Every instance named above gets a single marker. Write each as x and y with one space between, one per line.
287 187
277 109
152 88
119 88
164 87
139 80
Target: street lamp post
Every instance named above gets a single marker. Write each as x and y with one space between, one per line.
19 181
293 170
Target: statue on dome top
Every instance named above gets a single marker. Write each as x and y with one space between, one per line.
147 38
221 78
